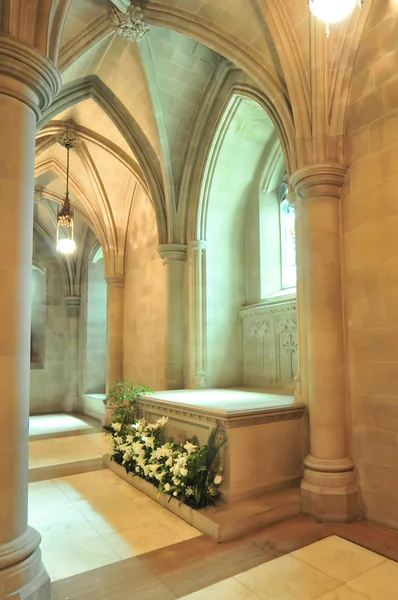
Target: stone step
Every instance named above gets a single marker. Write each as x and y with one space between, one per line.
64 469
227 521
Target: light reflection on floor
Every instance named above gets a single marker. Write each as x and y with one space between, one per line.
95 519
46 424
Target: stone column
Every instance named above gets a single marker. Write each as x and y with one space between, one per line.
73 311
115 321
329 490
173 256
28 81
198 313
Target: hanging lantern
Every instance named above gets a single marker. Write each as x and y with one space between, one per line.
65 225
332 11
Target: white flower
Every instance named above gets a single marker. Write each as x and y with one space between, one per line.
167 487
217 479
137 469
176 481
116 426
183 471
189 491
162 421
175 493
189 447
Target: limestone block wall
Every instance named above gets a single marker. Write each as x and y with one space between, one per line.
270 343
370 227
145 305
49 385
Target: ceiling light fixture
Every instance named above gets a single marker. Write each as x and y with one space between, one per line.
332 11
65 225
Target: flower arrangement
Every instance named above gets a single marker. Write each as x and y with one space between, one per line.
187 471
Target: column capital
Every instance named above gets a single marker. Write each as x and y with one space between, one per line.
197 245
319 180
172 253
291 197
115 278
27 75
73 301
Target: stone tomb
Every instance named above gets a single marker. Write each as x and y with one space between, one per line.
266 434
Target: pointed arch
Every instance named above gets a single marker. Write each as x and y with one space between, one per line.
214 107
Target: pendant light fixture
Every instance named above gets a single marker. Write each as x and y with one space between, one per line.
333 11
65 224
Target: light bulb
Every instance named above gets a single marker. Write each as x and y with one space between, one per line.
332 11
66 246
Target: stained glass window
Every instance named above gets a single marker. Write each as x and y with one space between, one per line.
288 242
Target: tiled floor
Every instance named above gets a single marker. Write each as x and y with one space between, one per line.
44 453
330 569
50 424
95 519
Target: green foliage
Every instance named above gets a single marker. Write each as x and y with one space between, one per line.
122 397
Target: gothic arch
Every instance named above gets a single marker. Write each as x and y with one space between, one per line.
192 215
93 87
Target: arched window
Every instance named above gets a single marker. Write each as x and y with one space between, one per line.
98 255
288 244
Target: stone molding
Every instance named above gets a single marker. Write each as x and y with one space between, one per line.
129 24
27 75
323 465
227 420
170 253
72 301
198 245
263 308
115 279
20 548
319 180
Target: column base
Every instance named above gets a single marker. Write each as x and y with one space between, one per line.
21 577
330 494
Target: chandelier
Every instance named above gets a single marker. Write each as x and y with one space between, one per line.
65 225
333 11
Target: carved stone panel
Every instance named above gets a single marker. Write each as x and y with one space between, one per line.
270 343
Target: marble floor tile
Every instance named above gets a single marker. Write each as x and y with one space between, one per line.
338 558
142 539
344 593
380 583
287 578
75 558
225 590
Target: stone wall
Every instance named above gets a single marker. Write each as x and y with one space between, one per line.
370 227
145 287
49 382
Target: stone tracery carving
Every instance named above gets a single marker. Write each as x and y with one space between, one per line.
38 195
130 25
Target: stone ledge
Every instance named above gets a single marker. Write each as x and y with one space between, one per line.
224 522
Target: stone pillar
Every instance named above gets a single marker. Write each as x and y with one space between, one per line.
329 491
73 311
115 321
28 81
173 256
198 313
